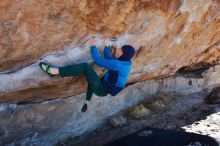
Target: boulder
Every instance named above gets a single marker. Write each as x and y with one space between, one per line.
169 36
214 96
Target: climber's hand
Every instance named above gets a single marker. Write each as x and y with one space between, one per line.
106 41
92 42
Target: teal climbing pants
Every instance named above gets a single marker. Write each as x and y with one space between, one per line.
95 84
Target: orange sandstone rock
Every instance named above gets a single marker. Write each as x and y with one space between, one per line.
168 35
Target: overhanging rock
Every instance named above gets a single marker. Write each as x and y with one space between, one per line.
48 122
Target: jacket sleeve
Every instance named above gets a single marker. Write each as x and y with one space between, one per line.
107 53
106 63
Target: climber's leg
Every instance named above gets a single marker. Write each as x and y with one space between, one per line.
89 93
75 70
94 81
88 98
101 91
95 85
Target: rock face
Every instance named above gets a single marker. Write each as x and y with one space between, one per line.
48 122
168 35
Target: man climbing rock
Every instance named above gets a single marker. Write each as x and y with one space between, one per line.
118 68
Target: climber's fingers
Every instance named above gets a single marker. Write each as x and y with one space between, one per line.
92 42
106 41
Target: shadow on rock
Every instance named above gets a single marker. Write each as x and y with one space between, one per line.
214 96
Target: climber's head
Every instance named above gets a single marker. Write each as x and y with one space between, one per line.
125 53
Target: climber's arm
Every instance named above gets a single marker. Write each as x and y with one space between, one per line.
106 63
107 53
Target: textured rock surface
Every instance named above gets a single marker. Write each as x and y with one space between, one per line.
187 112
47 122
168 35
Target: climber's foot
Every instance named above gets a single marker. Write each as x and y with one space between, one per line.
84 108
45 67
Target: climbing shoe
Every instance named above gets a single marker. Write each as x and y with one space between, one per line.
45 67
84 108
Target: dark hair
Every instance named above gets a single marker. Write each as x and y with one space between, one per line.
128 53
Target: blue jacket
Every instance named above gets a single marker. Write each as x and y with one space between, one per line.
118 71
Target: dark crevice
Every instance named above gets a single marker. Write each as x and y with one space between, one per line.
45 100
138 52
195 70
129 84
36 102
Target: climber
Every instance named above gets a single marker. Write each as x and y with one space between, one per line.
112 82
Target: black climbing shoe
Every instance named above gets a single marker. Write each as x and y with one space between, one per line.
45 67
84 108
